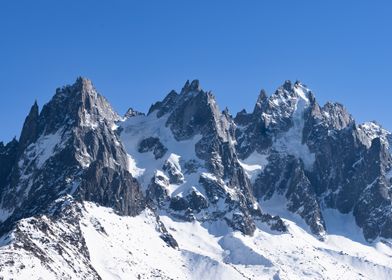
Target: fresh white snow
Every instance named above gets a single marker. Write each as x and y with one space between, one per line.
144 166
293 255
254 165
290 142
373 130
133 169
343 255
45 147
130 247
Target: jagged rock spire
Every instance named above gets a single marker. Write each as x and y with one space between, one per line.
132 113
165 105
226 112
194 86
82 123
30 127
70 147
8 155
75 104
287 85
84 84
262 98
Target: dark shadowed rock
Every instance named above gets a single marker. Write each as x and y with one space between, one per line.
152 144
132 113
8 156
314 157
71 148
346 160
30 127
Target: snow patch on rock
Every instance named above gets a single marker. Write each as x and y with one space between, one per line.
133 169
254 165
145 165
373 130
45 147
291 142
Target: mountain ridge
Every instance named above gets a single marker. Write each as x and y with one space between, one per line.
189 161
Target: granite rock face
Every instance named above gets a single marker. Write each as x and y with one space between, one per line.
188 159
8 156
334 163
222 189
70 147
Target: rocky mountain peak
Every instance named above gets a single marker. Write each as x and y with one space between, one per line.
193 162
193 112
287 85
290 90
77 104
191 93
336 115
71 147
193 86
84 85
371 130
81 88
30 127
261 101
226 113
132 113
164 106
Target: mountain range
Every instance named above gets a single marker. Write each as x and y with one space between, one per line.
291 190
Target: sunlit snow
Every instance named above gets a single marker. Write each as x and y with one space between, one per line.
291 142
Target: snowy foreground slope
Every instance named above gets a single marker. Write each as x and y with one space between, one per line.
118 247
291 190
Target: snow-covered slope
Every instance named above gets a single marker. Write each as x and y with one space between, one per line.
144 163
291 190
373 130
87 241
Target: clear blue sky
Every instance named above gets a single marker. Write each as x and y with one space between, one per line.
137 51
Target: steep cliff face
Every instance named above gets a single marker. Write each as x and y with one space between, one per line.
199 163
30 128
8 156
318 157
196 174
70 147
348 161
290 170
